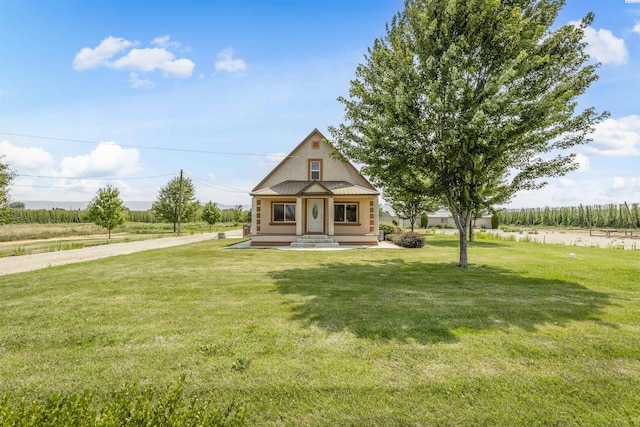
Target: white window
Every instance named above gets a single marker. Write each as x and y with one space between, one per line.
314 170
345 212
284 212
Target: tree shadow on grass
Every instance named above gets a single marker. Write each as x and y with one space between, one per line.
428 303
451 243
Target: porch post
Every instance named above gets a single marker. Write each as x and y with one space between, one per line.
254 216
330 217
299 216
376 215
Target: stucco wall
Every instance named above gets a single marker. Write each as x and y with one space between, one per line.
297 168
262 222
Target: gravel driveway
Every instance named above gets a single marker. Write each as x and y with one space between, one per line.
18 264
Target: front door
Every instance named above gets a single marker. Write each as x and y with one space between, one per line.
315 215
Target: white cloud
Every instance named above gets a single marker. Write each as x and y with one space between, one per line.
227 63
617 137
165 42
636 28
566 183
622 188
108 159
150 59
584 164
93 58
604 47
25 158
140 60
137 82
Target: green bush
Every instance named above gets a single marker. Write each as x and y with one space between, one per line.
424 220
388 228
409 239
131 406
495 221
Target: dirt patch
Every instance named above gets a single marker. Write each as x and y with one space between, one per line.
568 238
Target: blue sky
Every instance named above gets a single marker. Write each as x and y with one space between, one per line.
239 84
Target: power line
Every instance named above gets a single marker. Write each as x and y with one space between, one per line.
70 187
148 147
94 177
207 183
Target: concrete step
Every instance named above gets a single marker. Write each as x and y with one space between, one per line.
314 245
314 241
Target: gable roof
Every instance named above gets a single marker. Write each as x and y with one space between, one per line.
264 187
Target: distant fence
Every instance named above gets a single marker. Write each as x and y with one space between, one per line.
622 216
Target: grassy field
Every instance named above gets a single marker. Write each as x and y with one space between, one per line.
23 239
526 336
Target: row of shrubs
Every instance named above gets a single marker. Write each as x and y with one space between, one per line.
405 239
131 406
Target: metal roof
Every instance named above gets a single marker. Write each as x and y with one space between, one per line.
299 188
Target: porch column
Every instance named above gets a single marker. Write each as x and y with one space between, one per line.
299 216
254 216
330 217
376 215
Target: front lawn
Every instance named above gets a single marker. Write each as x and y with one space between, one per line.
526 336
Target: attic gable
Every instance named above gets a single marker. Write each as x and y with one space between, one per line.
295 167
315 188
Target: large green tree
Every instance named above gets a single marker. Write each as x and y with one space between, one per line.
6 176
107 209
478 95
168 206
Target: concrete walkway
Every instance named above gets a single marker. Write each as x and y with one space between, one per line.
19 264
381 245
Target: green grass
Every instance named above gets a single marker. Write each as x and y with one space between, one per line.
526 336
24 239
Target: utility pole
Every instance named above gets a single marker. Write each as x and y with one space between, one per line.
180 203
631 220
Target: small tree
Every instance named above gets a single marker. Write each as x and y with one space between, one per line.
107 209
237 214
211 213
409 197
166 206
6 176
17 205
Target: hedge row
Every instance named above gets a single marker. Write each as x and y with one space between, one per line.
63 216
597 216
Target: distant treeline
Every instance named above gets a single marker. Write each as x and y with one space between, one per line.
62 216
597 216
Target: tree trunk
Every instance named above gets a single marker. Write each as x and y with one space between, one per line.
471 236
463 248
174 227
463 221
109 234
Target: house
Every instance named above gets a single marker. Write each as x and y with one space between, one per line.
313 198
443 218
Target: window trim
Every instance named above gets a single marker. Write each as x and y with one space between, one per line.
284 221
345 222
311 161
